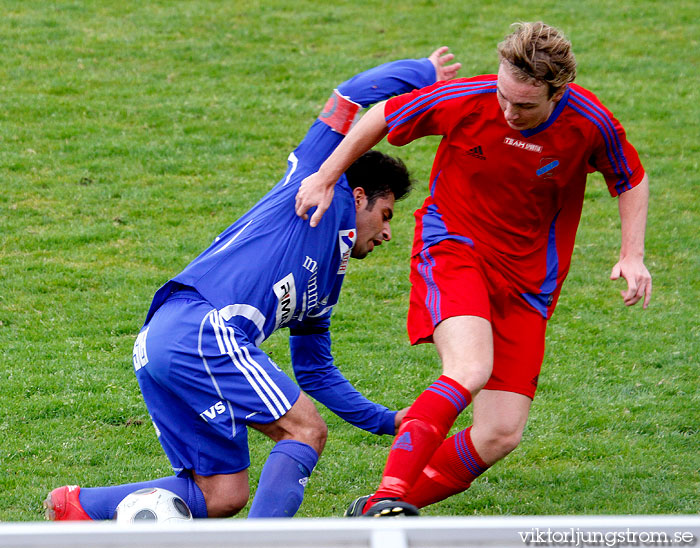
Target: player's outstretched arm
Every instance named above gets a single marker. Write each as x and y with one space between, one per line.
633 205
318 376
317 189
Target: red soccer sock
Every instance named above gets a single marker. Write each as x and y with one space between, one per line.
422 431
451 470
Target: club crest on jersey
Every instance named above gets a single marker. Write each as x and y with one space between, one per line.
547 167
346 239
286 292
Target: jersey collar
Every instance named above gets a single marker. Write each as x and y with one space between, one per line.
552 118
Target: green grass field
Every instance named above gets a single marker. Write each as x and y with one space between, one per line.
131 133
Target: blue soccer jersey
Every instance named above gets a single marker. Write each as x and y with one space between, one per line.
270 269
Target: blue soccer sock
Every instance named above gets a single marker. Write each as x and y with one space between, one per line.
282 481
100 502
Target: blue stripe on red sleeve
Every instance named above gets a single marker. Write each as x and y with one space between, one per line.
613 146
425 102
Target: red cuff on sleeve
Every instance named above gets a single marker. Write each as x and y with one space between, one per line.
339 113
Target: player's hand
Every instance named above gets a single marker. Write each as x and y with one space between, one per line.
399 418
313 191
439 58
638 281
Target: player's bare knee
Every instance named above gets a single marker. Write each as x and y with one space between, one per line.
224 495
322 436
224 508
225 505
508 442
312 429
472 376
237 502
314 434
505 439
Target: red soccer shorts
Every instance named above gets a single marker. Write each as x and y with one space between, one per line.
450 279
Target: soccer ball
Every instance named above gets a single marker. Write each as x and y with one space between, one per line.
152 504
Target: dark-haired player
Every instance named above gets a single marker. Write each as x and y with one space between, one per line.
197 359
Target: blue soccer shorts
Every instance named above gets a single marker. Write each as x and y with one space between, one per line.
203 381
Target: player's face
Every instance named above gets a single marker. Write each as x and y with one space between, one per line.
525 105
373 223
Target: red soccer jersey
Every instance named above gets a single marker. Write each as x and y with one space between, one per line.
514 196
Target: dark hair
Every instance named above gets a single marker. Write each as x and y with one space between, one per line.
379 174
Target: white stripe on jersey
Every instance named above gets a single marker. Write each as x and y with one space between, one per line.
225 348
294 161
250 313
273 391
285 401
232 239
256 376
213 380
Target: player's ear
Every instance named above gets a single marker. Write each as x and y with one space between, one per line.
558 94
360 197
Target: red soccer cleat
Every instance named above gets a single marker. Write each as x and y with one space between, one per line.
63 504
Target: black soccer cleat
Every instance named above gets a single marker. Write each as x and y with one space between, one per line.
356 507
390 508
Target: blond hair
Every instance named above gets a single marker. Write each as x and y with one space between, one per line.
540 52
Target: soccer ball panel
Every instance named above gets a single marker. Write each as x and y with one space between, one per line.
152 505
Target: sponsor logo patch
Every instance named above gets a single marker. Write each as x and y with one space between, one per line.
476 152
214 411
346 239
309 298
140 356
404 442
310 264
532 147
286 292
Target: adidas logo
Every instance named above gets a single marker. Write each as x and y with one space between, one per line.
403 442
477 153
